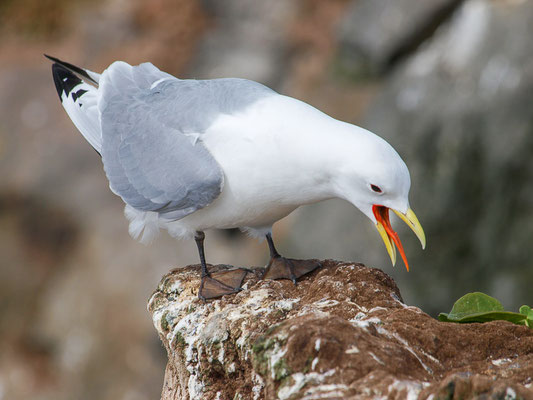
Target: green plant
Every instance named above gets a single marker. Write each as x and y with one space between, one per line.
479 307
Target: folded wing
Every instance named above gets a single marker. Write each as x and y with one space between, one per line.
150 164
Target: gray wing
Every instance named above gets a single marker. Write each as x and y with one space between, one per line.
149 159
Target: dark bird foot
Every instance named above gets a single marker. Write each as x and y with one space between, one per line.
218 284
288 268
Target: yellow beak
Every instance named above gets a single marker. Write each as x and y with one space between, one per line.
412 222
390 237
391 249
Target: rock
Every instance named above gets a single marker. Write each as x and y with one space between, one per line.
375 33
248 40
342 332
459 113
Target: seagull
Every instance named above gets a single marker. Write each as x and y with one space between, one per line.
192 155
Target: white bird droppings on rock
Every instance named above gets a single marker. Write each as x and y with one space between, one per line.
314 363
501 361
325 303
272 340
352 350
299 380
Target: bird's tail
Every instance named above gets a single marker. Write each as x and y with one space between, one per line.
79 98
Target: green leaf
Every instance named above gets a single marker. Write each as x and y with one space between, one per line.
528 312
479 307
485 317
474 303
443 317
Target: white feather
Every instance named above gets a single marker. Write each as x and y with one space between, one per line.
84 113
144 226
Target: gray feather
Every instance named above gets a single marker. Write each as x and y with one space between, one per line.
146 115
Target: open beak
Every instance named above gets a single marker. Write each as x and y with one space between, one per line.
390 237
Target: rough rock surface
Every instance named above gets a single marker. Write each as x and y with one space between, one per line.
342 332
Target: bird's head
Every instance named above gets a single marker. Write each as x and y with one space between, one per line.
376 180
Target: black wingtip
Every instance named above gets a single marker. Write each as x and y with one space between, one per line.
64 79
72 68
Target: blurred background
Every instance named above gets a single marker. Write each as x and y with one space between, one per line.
448 83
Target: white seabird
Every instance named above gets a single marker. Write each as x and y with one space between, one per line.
192 155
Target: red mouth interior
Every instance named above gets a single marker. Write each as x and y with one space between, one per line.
382 216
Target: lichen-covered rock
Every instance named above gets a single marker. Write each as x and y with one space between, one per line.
342 332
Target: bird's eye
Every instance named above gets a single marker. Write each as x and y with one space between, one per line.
375 188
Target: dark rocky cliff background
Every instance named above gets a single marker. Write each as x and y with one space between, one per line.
449 83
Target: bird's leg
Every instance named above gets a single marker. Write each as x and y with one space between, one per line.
219 283
286 268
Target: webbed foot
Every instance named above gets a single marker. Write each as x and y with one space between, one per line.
217 284
287 268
